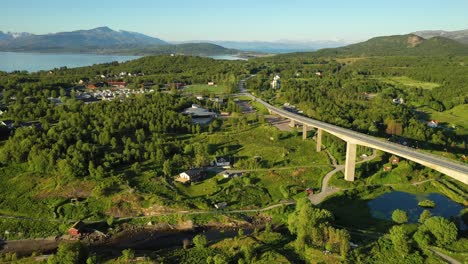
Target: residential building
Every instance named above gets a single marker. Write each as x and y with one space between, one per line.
193 175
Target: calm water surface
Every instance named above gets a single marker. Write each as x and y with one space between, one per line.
383 206
13 61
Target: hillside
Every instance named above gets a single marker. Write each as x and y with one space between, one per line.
459 35
409 45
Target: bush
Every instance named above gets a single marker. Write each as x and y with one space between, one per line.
200 241
399 216
427 203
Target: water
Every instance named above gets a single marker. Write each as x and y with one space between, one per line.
383 206
226 57
12 61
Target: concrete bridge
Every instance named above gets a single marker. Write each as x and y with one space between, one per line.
454 169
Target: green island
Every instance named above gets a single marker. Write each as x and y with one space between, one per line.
165 159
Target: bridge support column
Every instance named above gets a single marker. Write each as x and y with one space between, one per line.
350 165
292 123
319 139
304 131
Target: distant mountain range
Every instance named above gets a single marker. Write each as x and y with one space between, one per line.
274 46
400 45
459 35
103 40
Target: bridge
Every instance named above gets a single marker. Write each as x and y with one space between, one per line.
454 169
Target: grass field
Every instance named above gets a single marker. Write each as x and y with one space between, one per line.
282 168
204 88
457 116
406 81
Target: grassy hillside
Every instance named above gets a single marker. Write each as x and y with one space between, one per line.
400 45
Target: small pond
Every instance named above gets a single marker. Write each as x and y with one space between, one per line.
383 206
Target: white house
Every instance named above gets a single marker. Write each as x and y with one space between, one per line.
224 162
192 175
433 124
276 83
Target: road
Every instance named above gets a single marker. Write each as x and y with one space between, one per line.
326 190
452 168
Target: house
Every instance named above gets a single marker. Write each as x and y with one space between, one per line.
220 205
200 116
8 123
217 100
433 124
193 175
387 167
276 83
91 86
211 83
200 97
224 162
76 229
83 81
319 73
309 191
176 85
394 160
117 84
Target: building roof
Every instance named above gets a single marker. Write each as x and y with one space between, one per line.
198 112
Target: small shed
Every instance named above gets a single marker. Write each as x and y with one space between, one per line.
394 160
76 229
387 167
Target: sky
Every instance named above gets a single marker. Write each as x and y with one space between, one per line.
240 20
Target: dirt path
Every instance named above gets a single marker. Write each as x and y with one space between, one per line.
446 257
328 190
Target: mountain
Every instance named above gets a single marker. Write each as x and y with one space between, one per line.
12 35
400 45
459 35
100 37
103 40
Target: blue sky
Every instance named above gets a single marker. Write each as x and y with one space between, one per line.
266 20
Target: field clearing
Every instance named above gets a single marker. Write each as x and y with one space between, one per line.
204 88
287 162
406 81
456 116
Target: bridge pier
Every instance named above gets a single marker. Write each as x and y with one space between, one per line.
319 139
292 123
350 165
304 131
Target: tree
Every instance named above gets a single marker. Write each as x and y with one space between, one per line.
444 231
399 238
69 253
424 215
308 222
200 241
399 216
127 255
167 168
